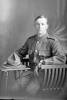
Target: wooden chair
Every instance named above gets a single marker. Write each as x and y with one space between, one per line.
54 77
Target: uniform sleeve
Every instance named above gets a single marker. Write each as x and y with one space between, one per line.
58 56
22 52
16 57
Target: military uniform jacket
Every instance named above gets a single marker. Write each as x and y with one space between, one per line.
47 48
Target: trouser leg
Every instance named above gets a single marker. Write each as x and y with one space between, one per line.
23 81
33 86
36 84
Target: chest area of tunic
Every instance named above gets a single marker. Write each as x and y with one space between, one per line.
43 47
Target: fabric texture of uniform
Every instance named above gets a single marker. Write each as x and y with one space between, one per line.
44 48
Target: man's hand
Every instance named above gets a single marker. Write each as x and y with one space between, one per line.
38 66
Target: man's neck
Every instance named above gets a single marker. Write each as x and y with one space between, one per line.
42 36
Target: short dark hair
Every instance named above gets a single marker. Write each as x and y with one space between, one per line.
38 17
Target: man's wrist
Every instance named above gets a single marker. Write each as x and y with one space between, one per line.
48 61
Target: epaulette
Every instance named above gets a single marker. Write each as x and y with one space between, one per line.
52 38
32 37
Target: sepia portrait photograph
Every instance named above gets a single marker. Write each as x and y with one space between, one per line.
33 49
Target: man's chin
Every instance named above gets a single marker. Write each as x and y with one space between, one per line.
40 34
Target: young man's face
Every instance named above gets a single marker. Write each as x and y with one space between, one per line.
41 26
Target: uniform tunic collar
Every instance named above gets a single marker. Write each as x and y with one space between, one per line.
44 37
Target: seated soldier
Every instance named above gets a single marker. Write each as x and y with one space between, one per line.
42 49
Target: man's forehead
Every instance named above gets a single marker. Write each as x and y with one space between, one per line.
42 20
